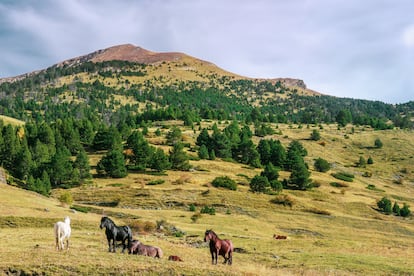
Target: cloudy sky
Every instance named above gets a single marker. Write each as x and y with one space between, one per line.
347 48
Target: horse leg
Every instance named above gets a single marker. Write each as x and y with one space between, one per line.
114 245
123 246
57 243
212 257
230 258
67 244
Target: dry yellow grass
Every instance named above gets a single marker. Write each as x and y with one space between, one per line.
331 231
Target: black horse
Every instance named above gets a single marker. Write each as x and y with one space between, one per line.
116 233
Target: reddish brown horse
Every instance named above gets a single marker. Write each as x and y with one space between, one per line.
219 247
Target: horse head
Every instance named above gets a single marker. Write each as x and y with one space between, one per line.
67 220
208 235
104 221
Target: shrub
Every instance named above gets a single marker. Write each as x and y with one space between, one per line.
315 136
396 209
259 184
225 182
192 208
208 210
284 200
339 185
378 143
156 182
405 211
344 176
385 205
66 198
321 165
81 209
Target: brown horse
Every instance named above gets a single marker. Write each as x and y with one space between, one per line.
174 258
219 247
146 250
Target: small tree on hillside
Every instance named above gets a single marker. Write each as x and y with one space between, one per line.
259 184
178 158
321 165
378 143
315 136
385 205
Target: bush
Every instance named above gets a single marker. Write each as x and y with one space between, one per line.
208 210
66 198
259 184
315 136
385 205
284 200
405 211
344 176
81 209
156 182
378 143
225 182
192 208
321 165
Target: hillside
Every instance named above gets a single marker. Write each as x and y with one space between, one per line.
122 131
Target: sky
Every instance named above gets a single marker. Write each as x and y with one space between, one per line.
346 48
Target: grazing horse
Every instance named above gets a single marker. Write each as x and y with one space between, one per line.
146 250
116 233
279 237
174 258
62 233
219 247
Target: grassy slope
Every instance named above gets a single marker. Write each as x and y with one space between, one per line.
353 239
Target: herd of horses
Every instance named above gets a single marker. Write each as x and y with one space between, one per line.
123 234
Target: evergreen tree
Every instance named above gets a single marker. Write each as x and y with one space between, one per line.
271 172
60 167
221 145
142 152
299 177
259 184
295 149
174 136
405 210
203 152
113 164
321 165
263 148
178 158
82 164
160 161
396 208
315 136
204 139
24 163
277 153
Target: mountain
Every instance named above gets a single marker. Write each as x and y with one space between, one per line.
126 77
136 54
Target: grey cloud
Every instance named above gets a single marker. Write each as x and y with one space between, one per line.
345 48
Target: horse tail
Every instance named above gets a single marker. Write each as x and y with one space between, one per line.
129 232
159 252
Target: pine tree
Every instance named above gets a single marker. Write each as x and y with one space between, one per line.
299 177
203 152
113 164
178 158
160 161
82 164
60 167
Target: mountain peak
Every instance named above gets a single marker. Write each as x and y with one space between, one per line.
129 52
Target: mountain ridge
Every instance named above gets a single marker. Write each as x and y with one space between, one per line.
132 53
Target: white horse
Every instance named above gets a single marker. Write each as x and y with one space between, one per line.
62 233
